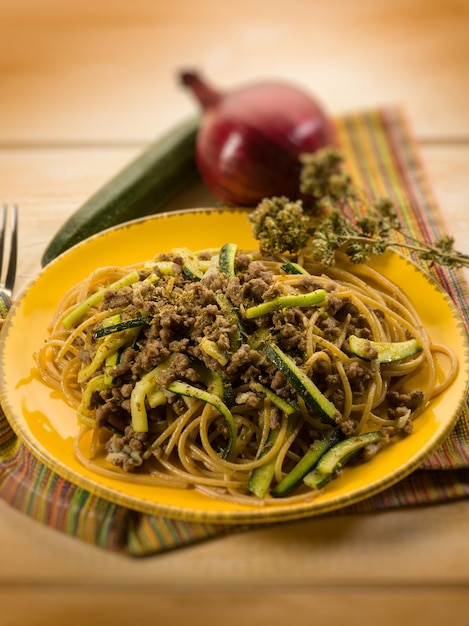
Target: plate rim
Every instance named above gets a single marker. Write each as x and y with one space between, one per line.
258 514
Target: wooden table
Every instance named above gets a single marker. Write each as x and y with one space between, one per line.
83 88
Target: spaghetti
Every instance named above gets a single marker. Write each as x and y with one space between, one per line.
239 375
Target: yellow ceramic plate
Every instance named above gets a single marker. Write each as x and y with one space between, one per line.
47 426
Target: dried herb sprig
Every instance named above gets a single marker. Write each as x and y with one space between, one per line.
280 225
340 217
323 177
370 235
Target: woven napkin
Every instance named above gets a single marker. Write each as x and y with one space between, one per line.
382 152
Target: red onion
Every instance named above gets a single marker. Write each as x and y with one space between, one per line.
250 139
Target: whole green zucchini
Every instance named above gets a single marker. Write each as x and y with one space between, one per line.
144 187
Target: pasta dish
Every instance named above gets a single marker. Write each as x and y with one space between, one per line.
247 377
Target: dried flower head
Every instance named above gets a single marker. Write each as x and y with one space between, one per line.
323 175
280 225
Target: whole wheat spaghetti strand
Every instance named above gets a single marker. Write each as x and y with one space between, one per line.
454 367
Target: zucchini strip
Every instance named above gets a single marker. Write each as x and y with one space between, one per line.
279 402
302 299
191 267
261 477
95 298
147 386
314 399
231 314
124 325
211 349
305 464
214 382
383 351
294 268
185 389
338 456
109 363
109 344
96 384
227 259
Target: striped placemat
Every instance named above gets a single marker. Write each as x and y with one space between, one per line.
383 158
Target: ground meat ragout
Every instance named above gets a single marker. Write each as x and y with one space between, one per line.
184 311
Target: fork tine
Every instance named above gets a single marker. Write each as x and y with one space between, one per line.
11 270
3 220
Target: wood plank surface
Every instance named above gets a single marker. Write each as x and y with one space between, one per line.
83 71
277 605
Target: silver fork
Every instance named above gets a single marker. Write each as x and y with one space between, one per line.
8 236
